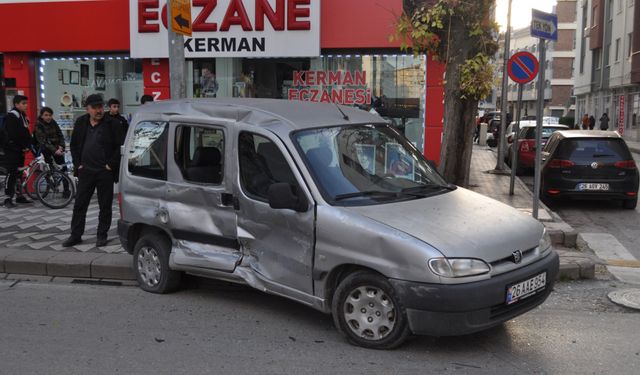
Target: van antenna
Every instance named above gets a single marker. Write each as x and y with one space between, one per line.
344 116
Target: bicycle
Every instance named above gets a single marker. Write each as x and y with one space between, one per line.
28 175
54 188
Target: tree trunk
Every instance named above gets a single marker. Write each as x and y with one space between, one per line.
459 114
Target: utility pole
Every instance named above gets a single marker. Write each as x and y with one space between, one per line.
177 65
505 82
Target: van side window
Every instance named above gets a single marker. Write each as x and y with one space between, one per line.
199 152
148 153
261 165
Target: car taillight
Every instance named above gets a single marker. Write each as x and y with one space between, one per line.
524 146
120 205
559 163
626 164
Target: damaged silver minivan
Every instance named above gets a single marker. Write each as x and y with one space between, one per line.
326 205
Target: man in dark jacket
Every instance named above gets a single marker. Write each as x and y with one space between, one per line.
604 121
50 139
114 114
95 147
17 142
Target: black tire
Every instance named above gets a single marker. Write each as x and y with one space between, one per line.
382 295
50 189
630 204
492 143
151 264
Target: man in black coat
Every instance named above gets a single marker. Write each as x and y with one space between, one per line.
95 148
17 142
114 114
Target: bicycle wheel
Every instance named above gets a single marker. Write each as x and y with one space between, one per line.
30 187
50 189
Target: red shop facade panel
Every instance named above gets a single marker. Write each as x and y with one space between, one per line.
231 39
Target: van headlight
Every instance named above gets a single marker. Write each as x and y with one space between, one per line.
545 242
458 267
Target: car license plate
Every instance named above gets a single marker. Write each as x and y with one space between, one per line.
527 288
593 187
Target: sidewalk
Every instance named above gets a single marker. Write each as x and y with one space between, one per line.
31 235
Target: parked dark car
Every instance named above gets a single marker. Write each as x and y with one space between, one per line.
527 145
590 164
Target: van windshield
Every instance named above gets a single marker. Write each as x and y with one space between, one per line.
367 164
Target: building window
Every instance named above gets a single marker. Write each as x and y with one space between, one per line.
617 49
596 58
594 18
148 154
66 82
630 44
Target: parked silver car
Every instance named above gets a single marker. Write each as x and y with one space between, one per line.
326 205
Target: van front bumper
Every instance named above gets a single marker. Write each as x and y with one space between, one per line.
451 310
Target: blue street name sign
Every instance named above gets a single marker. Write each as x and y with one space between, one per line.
544 25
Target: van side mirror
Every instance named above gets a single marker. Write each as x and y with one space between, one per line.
286 196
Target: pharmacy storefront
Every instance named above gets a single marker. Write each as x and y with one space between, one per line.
311 50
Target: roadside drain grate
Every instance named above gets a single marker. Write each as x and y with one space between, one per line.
96 282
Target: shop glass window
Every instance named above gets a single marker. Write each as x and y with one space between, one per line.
67 81
393 86
199 153
148 154
261 165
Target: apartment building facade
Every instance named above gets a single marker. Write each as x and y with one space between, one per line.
607 64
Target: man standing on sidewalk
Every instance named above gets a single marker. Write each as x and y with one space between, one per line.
95 147
16 140
114 114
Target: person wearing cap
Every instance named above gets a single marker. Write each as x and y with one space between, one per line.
114 114
95 148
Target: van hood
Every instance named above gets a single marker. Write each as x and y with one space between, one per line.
460 223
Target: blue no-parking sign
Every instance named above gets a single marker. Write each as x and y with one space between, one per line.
522 67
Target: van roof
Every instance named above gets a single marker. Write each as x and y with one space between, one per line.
262 112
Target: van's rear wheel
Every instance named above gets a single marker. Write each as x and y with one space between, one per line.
367 311
151 264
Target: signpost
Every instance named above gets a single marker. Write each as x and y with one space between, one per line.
544 26
522 68
179 12
181 17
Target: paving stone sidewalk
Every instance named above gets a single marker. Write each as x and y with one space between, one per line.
36 227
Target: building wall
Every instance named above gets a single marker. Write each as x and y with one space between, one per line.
610 89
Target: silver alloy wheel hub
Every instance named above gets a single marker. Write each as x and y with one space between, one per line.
149 266
369 313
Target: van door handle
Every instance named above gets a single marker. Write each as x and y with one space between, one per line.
230 200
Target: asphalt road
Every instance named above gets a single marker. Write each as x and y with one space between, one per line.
220 329
600 217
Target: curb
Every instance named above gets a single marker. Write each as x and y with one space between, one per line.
576 265
66 264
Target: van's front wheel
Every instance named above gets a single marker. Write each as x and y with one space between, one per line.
151 264
366 310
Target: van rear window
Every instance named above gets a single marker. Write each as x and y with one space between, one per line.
588 149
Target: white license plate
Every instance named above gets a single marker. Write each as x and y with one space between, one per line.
527 288
593 187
